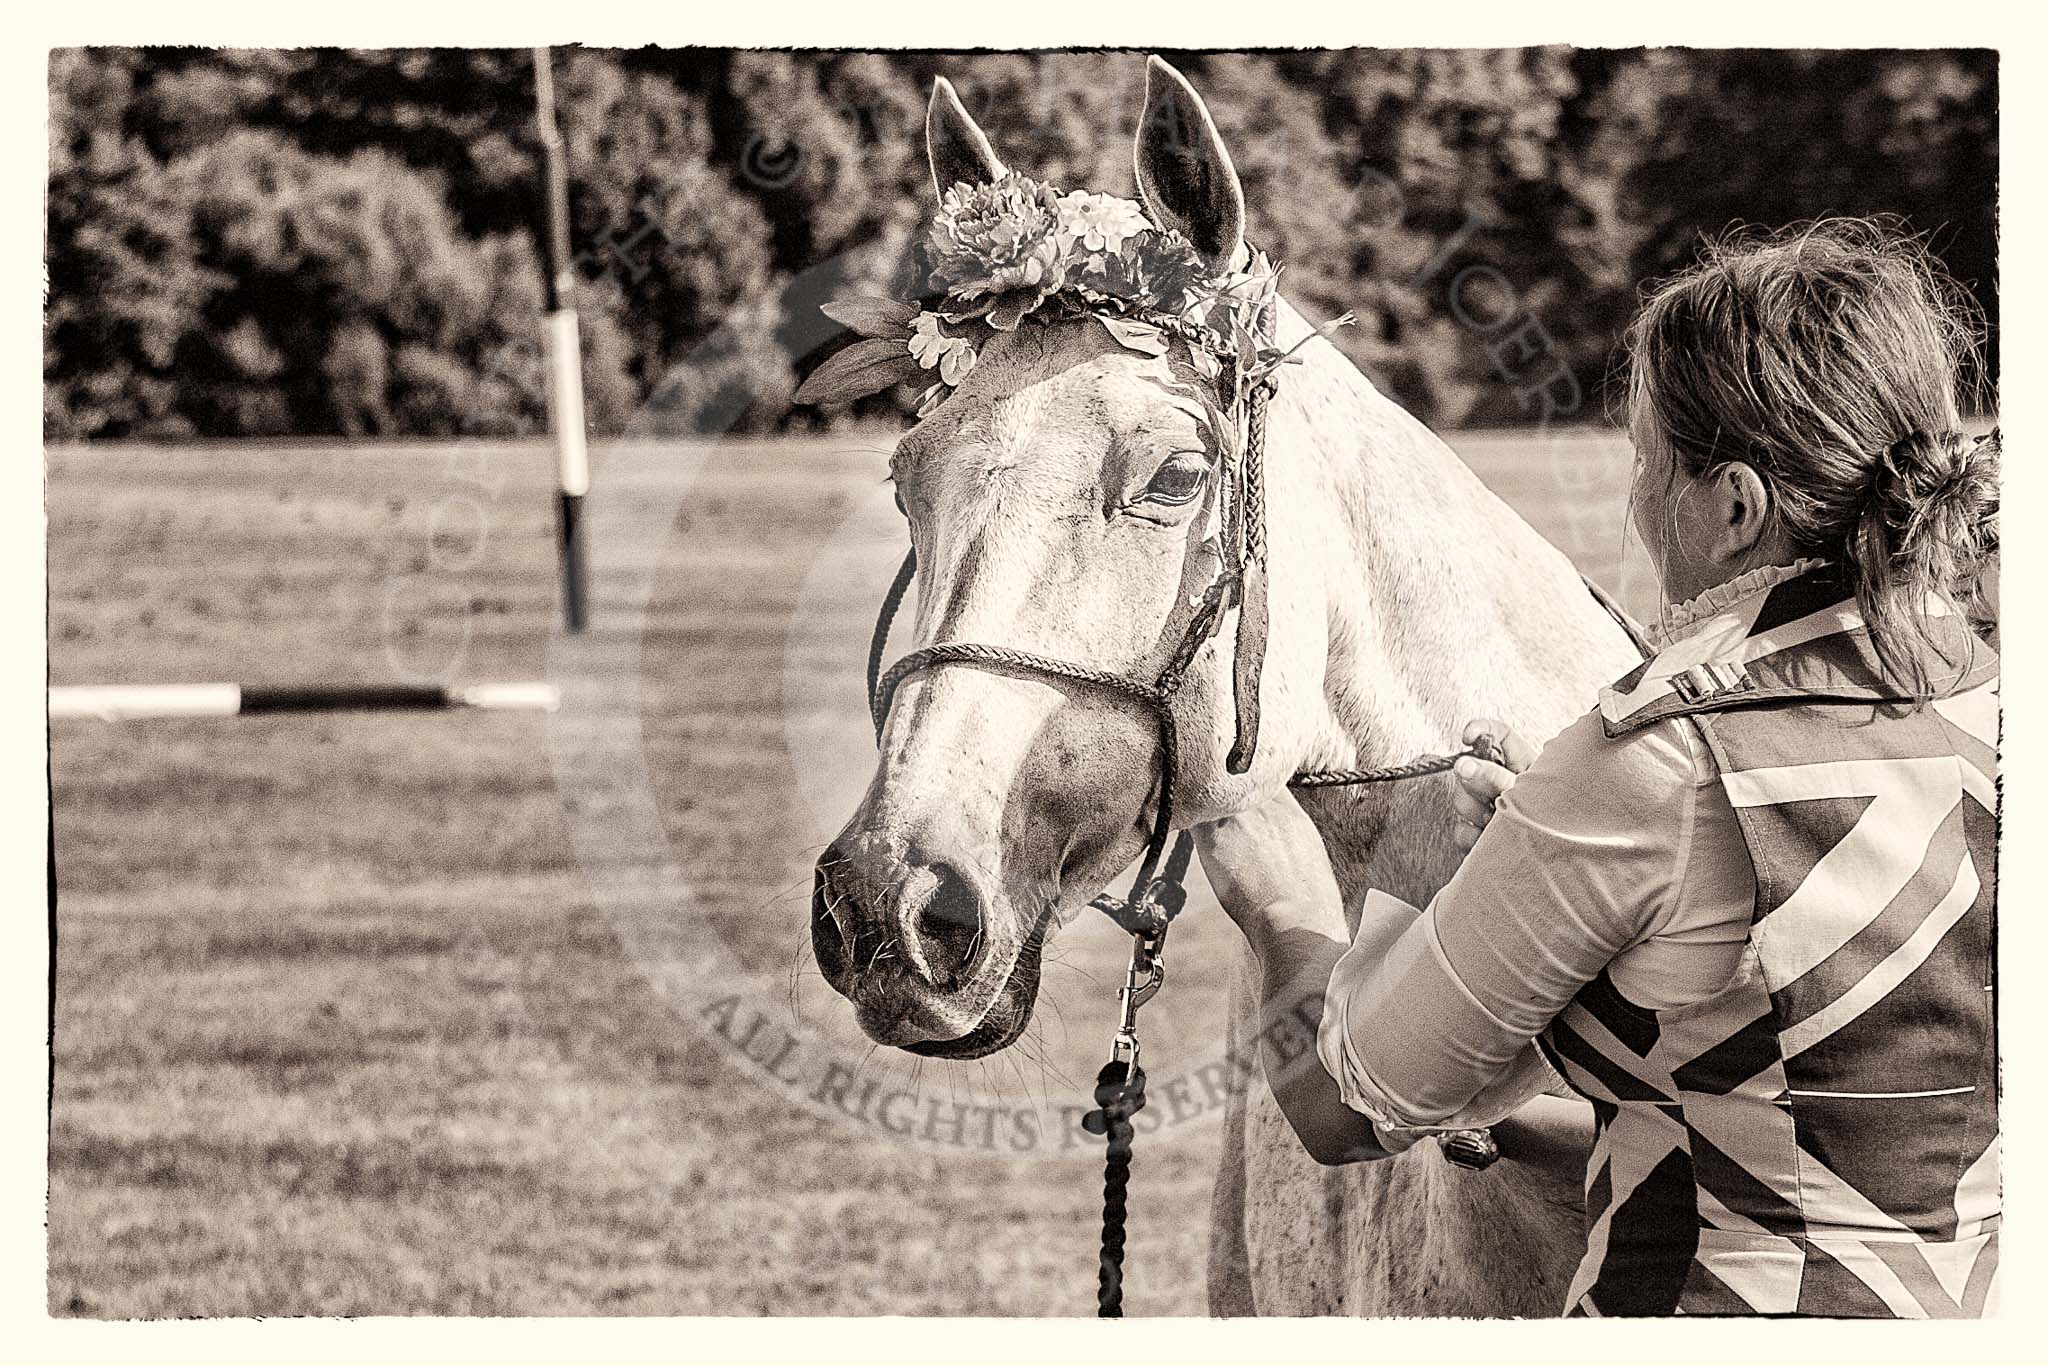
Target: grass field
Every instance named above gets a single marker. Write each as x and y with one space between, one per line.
366 1014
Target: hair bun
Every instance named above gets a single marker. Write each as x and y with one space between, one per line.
1936 496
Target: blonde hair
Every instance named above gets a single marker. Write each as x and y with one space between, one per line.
1830 358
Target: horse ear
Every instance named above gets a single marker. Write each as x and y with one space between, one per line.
958 148
1184 174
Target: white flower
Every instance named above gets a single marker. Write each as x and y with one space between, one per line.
933 348
1099 222
958 360
926 339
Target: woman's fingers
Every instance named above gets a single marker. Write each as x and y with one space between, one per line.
1478 786
1480 782
1473 797
1518 751
1478 789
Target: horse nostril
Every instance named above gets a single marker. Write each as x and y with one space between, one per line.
949 925
832 932
926 919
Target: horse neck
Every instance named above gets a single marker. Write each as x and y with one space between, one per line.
1442 605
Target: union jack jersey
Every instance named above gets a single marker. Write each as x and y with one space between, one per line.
1821 1136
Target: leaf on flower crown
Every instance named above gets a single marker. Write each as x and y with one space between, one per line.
872 317
866 367
1135 335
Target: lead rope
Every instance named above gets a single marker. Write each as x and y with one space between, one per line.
1120 1085
1482 748
1120 1093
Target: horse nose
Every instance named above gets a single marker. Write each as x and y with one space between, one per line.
876 913
941 924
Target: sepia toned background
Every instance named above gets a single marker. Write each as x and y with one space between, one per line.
340 1025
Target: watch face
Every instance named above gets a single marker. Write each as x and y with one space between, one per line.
1472 1148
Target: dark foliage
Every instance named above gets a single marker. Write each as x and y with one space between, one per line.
324 242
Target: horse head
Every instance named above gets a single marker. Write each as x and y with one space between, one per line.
1065 500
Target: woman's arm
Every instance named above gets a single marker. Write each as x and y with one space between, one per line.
1269 870
1297 947
1294 922
1431 1016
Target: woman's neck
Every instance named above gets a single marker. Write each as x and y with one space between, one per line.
1679 617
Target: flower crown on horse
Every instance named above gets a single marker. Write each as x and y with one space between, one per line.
1000 252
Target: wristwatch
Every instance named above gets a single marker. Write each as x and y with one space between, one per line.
1472 1149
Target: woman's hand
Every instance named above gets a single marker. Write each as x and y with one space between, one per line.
1480 783
1269 869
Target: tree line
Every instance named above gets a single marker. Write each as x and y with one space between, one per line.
325 242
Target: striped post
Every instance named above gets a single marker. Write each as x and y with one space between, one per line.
171 701
565 351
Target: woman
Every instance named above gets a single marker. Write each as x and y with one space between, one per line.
1745 907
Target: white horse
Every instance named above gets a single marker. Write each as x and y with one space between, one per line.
1405 600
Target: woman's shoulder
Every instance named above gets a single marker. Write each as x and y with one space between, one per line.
1654 764
1647 807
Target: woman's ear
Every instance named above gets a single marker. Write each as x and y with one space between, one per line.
1184 173
1740 503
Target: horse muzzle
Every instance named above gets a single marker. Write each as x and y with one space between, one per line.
915 941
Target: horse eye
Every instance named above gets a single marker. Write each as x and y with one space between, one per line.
1177 481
